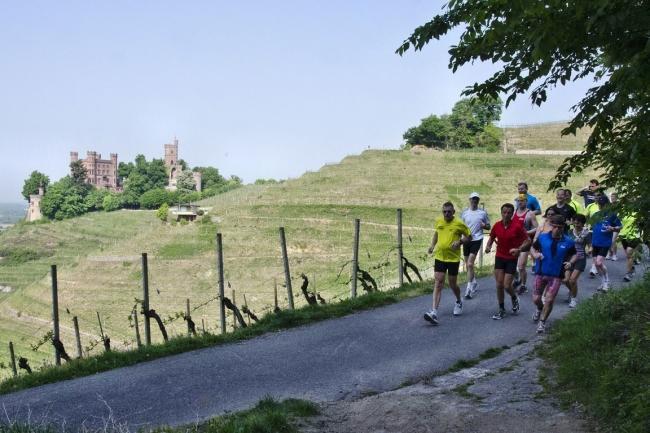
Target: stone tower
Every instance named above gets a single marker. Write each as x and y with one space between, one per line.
171 162
34 209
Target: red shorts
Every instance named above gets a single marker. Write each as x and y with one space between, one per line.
551 284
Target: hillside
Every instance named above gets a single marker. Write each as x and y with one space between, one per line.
99 254
546 136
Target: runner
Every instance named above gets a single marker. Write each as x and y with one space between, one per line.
572 202
590 191
590 210
449 233
562 208
533 202
511 238
603 224
477 220
554 252
630 240
582 238
545 226
613 250
528 219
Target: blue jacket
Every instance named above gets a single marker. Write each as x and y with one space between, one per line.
555 251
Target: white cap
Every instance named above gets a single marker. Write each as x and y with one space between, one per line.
474 195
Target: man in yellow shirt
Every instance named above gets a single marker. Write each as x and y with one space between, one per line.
449 233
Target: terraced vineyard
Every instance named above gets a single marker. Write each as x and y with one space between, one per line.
98 255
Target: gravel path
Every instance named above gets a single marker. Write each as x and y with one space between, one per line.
342 359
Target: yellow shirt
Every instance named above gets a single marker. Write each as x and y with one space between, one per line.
449 232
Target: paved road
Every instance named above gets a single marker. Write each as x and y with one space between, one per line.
366 352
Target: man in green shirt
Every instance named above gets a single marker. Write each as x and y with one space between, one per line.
450 232
630 237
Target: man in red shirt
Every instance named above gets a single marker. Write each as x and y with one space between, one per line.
512 238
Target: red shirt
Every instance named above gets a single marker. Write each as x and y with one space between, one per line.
508 238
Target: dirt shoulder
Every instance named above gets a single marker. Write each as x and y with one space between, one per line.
502 394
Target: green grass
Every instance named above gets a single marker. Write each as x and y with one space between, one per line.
462 364
601 354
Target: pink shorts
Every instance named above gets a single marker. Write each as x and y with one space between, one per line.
551 284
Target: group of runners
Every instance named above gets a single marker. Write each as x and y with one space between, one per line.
559 246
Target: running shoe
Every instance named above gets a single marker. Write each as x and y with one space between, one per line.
608 257
541 327
458 308
627 277
499 314
614 258
536 315
468 291
431 317
603 287
522 289
515 305
573 303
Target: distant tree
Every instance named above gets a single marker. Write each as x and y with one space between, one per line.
64 199
210 177
95 199
185 182
112 202
265 181
541 45
124 169
33 182
465 127
154 198
78 172
183 164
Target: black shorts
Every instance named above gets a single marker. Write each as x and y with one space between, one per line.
508 266
599 251
450 267
630 243
472 247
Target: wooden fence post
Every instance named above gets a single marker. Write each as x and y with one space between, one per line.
234 316
137 328
222 306
55 312
246 305
77 336
101 332
187 314
400 250
13 358
275 295
287 272
145 299
355 259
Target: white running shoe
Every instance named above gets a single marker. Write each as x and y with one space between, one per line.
458 308
615 258
541 327
608 257
536 315
603 287
468 291
573 303
431 317
474 288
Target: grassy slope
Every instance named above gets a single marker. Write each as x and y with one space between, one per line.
98 254
544 136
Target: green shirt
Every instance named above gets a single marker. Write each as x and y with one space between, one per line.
449 232
630 230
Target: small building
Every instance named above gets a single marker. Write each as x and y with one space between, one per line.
187 212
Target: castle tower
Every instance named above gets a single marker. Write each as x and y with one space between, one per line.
74 156
171 163
34 209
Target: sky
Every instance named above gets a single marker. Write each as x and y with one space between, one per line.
258 89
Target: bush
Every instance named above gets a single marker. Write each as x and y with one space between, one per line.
154 198
112 201
95 199
163 212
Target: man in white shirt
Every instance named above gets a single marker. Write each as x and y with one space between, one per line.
477 220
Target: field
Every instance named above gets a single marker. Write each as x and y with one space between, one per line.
544 136
98 255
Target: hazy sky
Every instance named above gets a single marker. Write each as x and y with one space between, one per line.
255 88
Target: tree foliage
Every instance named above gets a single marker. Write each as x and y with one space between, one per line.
64 199
210 177
465 127
541 45
185 182
35 180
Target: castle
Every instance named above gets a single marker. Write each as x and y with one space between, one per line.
102 173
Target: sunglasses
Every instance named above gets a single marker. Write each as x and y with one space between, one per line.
447 211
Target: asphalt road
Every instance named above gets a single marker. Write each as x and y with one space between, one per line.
371 351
